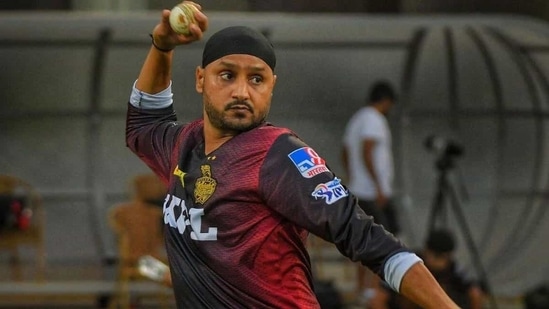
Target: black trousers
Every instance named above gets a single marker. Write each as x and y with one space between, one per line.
385 215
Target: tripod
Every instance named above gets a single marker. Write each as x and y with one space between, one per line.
446 192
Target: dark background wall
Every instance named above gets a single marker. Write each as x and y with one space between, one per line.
535 8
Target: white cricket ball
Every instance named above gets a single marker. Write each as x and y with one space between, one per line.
181 17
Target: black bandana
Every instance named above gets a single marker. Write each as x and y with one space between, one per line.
238 40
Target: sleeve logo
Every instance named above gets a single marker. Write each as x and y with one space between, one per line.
308 162
330 191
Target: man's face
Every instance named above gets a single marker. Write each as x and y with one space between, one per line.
387 105
236 91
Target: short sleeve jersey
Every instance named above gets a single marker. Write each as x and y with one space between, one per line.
237 219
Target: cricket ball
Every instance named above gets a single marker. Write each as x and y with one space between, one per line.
181 17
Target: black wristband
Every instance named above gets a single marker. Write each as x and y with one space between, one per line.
156 46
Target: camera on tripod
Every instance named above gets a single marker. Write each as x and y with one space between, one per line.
443 147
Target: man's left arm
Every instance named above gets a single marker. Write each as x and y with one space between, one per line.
419 286
297 184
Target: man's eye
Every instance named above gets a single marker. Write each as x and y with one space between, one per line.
256 79
226 75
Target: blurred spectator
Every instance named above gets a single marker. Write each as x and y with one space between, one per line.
368 161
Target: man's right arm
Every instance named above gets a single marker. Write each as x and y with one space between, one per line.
151 129
155 74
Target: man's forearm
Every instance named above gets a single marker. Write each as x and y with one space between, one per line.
156 72
419 285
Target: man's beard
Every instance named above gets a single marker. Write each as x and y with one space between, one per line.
220 120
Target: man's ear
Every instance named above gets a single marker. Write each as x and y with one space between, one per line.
274 83
199 76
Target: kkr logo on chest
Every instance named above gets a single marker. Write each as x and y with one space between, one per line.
205 185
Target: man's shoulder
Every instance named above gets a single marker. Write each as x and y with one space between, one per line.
364 113
370 111
192 133
195 126
273 131
267 135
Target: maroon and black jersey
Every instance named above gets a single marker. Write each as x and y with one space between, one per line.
237 219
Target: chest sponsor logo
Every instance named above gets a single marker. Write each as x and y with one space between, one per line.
178 216
308 162
330 191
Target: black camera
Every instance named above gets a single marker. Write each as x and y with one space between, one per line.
443 147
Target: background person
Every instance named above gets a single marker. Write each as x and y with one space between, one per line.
367 158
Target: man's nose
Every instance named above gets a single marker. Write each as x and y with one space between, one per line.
241 89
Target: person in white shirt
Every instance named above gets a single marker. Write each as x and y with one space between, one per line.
368 161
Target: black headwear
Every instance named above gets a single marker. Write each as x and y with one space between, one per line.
238 40
382 90
440 241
